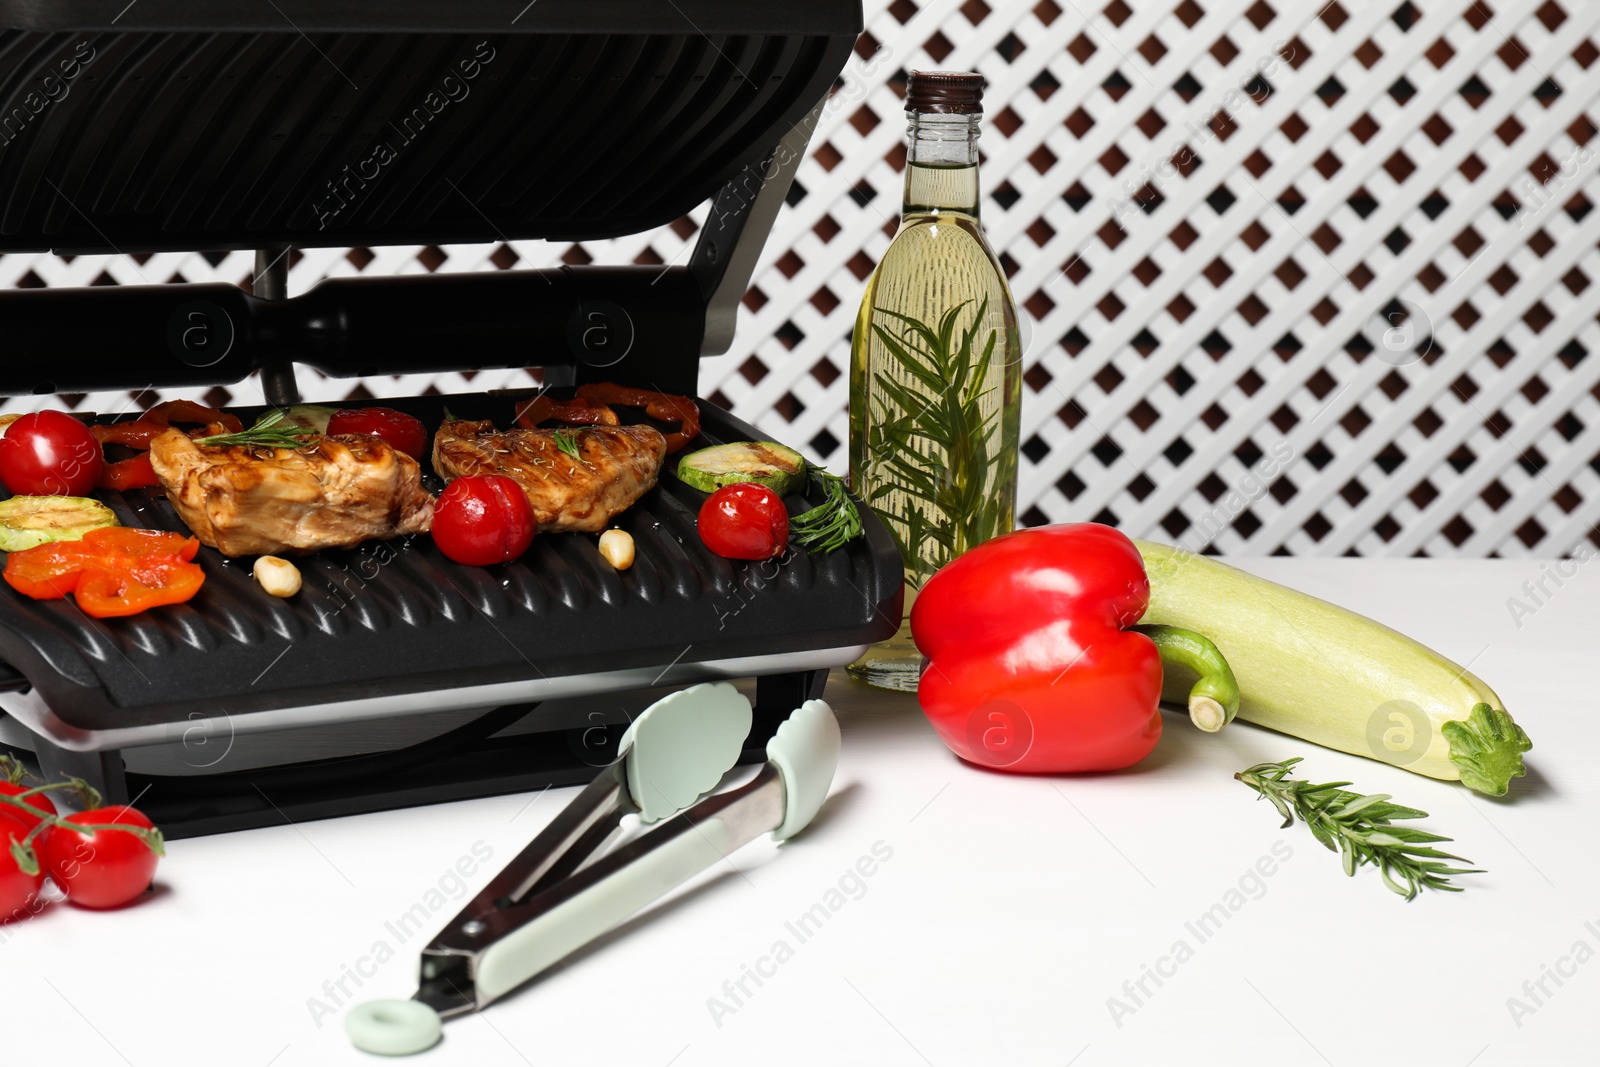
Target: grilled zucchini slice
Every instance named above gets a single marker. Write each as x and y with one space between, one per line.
28 521
767 463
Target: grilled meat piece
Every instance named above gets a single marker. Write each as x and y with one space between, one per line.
615 466
250 500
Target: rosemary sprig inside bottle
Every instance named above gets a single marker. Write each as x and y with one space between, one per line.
936 455
831 524
1359 828
275 429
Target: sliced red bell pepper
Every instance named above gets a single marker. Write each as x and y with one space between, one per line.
191 411
136 434
134 473
1034 664
112 571
105 593
137 473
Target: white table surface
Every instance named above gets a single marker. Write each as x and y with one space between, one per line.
1008 913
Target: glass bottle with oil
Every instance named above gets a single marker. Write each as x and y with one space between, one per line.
935 365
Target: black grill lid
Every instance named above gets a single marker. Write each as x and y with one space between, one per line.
218 125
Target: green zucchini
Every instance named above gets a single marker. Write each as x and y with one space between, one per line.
313 417
30 521
1314 670
767 463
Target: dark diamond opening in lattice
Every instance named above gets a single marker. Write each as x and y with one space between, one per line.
824 443
1106 451
1215 345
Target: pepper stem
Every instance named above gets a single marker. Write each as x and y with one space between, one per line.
1214 697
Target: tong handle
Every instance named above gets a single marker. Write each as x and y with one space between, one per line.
557 921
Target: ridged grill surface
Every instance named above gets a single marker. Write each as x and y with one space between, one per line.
397 616
192 140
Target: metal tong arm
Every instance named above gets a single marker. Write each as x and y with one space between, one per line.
579 831
474 963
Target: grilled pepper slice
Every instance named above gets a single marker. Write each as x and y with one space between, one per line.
112 571
1034 663
132 473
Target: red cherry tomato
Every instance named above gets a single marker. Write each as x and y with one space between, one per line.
405 432
483 520
18 891
100 868
744 521
49 453
40 801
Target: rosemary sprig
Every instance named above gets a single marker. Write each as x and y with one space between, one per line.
831 524
273 430
1359 828
567 442
933 453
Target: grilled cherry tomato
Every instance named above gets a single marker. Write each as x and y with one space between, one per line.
100 868
483 520
17 890
744 521
405 432
49 453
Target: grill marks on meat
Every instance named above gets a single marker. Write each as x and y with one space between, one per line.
615 466
336 493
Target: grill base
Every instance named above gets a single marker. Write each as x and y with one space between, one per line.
504 751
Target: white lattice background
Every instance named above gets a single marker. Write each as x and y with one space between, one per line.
1211 213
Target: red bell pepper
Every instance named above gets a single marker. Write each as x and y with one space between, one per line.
112 571
1034 663
133 473
136 471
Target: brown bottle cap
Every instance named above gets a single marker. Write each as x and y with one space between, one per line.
945 92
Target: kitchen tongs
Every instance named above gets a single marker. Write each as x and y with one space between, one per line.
556 896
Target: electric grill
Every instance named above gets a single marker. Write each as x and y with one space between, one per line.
211 125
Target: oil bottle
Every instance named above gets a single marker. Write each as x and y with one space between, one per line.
935 364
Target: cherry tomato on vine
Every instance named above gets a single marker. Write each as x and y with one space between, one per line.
17 890
49 453
405 432
41 801
744 521
101 868
483 520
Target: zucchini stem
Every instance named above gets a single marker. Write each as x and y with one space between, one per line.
1214 697
1487 747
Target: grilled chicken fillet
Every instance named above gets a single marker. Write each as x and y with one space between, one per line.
244 500
615 466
